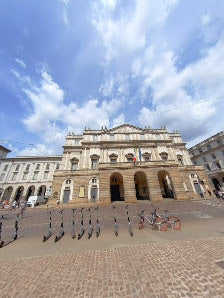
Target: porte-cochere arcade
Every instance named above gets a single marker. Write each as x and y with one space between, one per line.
130 186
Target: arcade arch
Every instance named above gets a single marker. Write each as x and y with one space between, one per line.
30 192
166 185
116 187
41 190
7 194
141 186
19 193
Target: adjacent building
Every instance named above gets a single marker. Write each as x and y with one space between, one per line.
210 154
21 177
126 163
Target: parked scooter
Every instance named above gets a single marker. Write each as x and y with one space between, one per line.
61 234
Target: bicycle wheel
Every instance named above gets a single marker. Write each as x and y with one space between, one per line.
175 223
141 224
160 224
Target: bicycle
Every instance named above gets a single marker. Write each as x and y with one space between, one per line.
172 221
156 221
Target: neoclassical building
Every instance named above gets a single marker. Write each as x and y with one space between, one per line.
21 177
210 154
126 163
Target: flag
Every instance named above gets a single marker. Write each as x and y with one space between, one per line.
140 154
134 158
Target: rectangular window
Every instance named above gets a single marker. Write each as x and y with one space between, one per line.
25 175
6 167
113 160
147 158
38 166
46 175
112 137
180 161
27 167
17 167
57 166
76 142
130 159
2 177
35 175
94 138
142 137
158 137
14 175
127 137
218 165
74 166
94 164
94 180
47 166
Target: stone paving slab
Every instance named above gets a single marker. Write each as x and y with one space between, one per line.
169 269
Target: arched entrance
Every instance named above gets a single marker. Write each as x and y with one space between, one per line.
41 191
30 192
66 191
19 193
197 187
216 183
141 186
93 190
116 187
7 194
166 185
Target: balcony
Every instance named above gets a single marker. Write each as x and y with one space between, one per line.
142 164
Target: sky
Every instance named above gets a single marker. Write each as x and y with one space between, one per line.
70 64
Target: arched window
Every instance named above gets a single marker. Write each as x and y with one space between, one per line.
164 155
113 158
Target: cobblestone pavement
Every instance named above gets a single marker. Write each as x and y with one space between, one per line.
168 269
150 264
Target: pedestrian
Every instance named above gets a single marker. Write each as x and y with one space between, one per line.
14 205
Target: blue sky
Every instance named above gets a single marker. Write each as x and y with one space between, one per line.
66 65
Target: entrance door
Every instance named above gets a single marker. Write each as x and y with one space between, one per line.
115 193
197 188
137 192
66 196
93 194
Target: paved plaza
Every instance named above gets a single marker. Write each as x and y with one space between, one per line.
185 263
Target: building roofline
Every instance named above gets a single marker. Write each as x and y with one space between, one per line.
201 143
4 149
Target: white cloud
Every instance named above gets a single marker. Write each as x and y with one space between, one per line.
127 34
65 5
51 118
120 119
37 150
107 87
20 62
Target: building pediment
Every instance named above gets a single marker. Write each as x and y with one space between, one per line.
126 128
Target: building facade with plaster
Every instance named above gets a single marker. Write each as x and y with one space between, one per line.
126 163
21 177
210 154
